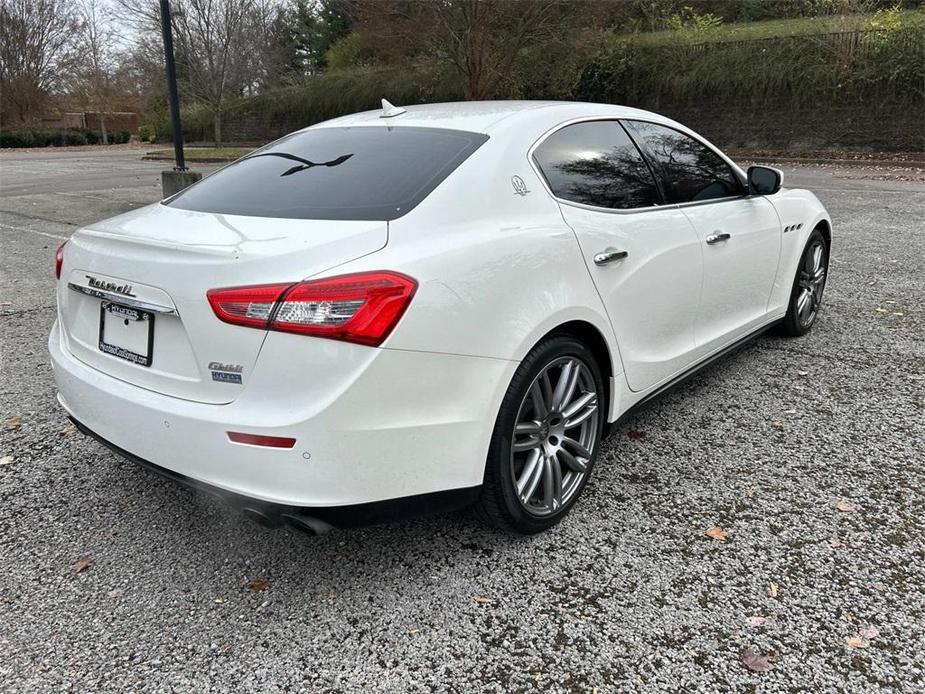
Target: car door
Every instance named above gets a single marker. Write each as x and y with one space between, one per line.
740 235
644 257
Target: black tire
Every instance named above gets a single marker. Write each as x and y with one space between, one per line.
499 504
798 322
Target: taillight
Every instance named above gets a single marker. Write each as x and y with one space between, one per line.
59 260
361 308
250 306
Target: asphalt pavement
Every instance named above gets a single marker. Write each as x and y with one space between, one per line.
806 453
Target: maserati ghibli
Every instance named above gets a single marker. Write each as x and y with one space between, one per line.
424 308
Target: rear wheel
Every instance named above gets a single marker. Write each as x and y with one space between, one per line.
546 438
808 285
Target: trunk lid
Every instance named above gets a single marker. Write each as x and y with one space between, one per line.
133 289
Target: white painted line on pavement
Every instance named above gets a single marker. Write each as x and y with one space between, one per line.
33 231
84 195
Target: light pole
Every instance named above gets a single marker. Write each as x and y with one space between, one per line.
172 92
175 180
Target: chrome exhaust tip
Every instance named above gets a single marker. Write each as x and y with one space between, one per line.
261 517
307 524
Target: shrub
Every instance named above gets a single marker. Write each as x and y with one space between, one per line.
146 133
47 138
73 137
796 71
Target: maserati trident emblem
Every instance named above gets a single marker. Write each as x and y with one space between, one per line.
125 289
520 187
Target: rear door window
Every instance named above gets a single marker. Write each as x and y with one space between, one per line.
595 163
690 170
356 173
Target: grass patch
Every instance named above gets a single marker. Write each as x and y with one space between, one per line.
201 155
774 28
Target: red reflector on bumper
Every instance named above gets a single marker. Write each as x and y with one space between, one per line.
258 440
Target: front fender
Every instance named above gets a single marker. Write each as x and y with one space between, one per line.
800 212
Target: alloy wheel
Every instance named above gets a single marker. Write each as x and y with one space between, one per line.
555 433
811 283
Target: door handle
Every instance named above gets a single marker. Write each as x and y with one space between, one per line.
608 256
716 238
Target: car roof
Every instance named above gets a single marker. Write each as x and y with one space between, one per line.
487 116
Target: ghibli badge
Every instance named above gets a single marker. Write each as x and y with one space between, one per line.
226 373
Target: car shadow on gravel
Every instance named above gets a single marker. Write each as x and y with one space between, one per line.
207 528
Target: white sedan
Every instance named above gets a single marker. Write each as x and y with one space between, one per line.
415 309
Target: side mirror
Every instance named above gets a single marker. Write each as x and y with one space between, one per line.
763 180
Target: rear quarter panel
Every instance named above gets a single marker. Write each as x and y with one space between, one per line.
496 269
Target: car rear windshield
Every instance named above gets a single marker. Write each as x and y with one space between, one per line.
358 173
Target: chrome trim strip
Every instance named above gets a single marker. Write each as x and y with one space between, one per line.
123 300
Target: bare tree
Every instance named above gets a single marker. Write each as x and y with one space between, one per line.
96 60
481 39
213 43
486 36
212 51
34 39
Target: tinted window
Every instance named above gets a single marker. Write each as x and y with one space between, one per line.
690 170
596 163
371 173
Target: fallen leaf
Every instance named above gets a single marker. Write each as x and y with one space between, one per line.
755 661
717 534
846 506
755 621
259 584
836 543
777 424
482 600
772 589
14 422
636 435
869 632
6 460
69 430
749 493
82 564
879 587
116 593
856 642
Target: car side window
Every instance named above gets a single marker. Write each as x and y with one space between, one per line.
690 170
596 163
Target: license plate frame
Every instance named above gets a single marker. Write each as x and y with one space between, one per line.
133 314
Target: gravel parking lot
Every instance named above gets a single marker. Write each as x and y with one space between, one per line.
808 453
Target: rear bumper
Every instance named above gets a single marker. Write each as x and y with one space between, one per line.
315 520
411 424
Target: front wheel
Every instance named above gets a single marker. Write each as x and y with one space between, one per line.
546 438
808 285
